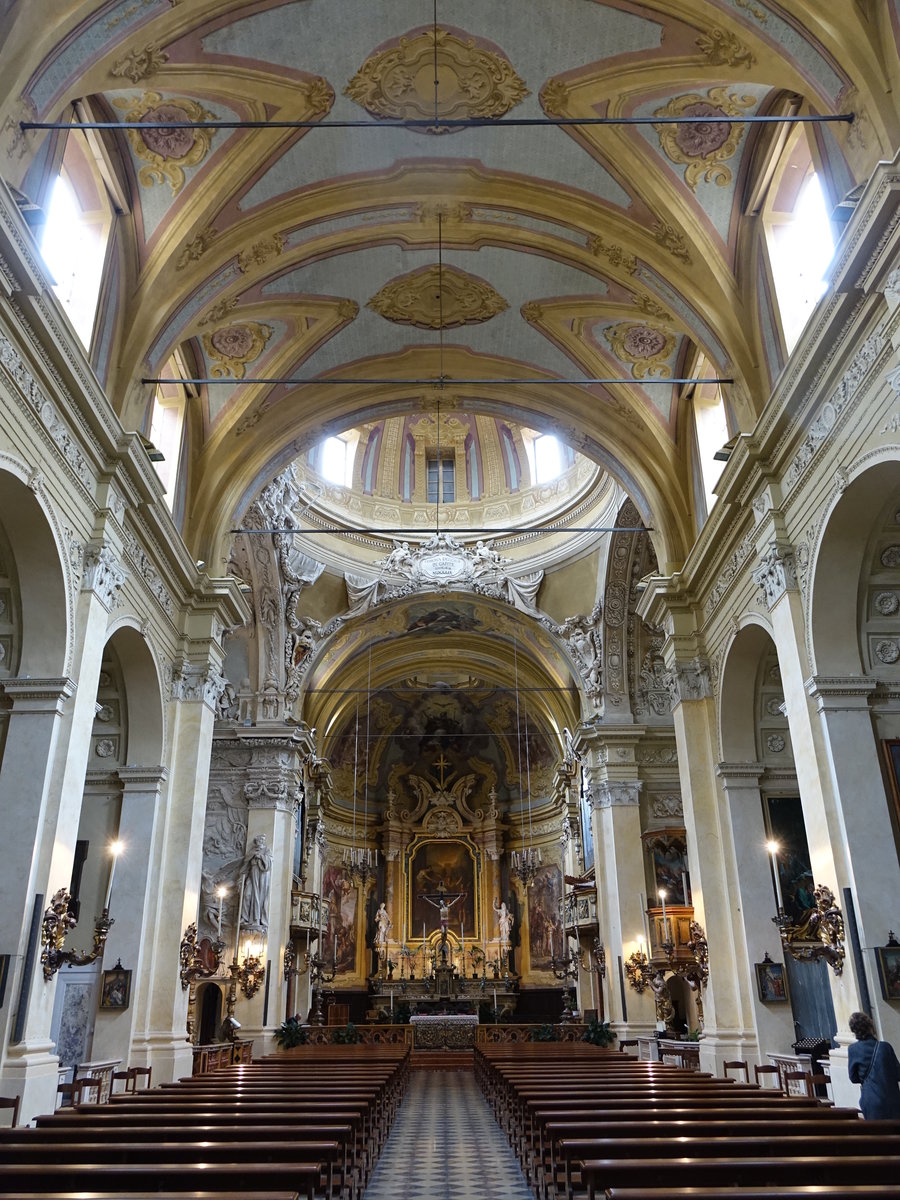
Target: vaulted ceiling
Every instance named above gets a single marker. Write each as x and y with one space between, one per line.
567 251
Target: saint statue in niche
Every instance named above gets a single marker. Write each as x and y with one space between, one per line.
504 923
383 924
255 873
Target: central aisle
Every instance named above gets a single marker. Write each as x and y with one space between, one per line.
446 1145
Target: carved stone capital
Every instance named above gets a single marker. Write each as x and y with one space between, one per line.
835 693
38 695
193 682
620 794
776 574
272 793
103 575
690 681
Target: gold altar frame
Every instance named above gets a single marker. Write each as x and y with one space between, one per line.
473 852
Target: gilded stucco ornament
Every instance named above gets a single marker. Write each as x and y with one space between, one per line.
139 64
554 97
233 346
645 347
261 252
166 151
614 254
437 298
671 239
397 83
703 147
722 48
194 250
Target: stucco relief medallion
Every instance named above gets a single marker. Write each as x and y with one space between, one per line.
398 82
887 651
233 346
437 298
105 747
166 151
645 347
887 603
890 557
775 743
703 147
774 706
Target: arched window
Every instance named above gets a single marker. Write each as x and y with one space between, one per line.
76 232
799 237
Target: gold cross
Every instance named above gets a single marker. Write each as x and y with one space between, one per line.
442 763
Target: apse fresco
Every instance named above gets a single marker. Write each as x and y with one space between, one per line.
340 898
445 618
545 934
442 863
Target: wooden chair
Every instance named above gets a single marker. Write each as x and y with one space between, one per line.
736 1064
13 1103
767 1072
798 1083
73 1093
130 1077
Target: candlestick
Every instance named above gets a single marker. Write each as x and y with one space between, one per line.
220 892
115 850
684 886
334 946
462 943
662 896
644 917
495 997
772 847
392 1003
593 1002
307 939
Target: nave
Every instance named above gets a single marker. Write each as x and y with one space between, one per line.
446 1145
563 1121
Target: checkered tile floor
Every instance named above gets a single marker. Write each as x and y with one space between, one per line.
446 1145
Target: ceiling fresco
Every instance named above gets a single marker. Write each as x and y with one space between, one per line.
570 251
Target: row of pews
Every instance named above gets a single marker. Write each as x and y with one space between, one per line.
309 1123
590 1122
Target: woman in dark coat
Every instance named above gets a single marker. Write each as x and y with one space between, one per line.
874 1065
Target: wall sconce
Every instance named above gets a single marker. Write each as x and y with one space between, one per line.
637 968
820 932
57 922
250 975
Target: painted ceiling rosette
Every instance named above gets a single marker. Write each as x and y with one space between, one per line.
233 346
704 146
398 83
436 297
166 151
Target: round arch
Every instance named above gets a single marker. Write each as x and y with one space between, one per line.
41 579
838 564
143 697
737 697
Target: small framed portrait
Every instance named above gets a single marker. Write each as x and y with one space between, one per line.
115 989
771 982
889 969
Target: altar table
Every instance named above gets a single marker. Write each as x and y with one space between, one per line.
444 1032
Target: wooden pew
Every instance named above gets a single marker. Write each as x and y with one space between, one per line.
834 1170
126 1180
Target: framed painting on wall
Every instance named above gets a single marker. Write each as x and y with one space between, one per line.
890 748
889 969
115 988
771 982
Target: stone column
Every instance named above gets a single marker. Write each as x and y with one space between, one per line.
867 841
754 898
823 816
174 899
616 820
272 792
62 773
130 936
29 1063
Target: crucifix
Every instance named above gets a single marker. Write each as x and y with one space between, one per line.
443 902
442 764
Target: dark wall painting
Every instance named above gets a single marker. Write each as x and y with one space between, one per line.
341 899
545 935
448 864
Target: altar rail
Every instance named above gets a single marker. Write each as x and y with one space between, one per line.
497 1034
402 1035
215 1056
366 1035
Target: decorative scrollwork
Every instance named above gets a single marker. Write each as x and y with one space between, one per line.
199 959
819 933
637 969
55 926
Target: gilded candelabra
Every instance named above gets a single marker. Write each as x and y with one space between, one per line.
319 975
565 969
55 926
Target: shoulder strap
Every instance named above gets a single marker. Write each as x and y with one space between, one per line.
871 1063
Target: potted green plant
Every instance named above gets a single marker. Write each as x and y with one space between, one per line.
598 1033
348 1036
545 1033
290 1033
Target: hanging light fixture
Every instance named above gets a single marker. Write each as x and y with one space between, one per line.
524 863
360 862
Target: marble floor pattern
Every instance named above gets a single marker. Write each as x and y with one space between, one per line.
446 1145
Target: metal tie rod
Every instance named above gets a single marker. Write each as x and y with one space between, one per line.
449 123
468 530
440 381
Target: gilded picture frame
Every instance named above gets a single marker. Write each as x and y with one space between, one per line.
115 989
771 982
